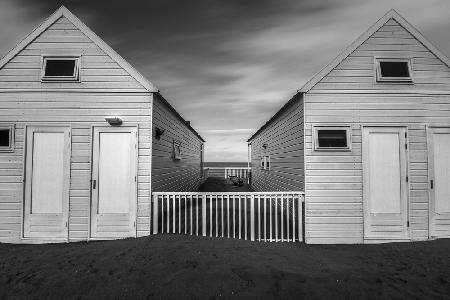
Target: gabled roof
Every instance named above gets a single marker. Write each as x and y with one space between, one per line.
63 11
392 14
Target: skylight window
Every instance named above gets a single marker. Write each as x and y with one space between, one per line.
60 69
394 70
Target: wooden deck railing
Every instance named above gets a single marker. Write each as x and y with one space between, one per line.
255 216
229 171
239 172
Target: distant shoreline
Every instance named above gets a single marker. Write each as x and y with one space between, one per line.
225 164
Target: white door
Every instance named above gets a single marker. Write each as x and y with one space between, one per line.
114 182
439 181
385 185
47 180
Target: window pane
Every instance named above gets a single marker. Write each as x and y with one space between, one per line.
4 138
332 138
60 67
394 69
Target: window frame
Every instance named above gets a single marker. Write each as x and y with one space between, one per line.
380 79
267 163
74 78
11 128
176 144
348 132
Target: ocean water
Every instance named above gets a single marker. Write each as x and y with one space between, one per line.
225 164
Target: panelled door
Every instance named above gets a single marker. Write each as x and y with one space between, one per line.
385 185
47 181
439 181
114 182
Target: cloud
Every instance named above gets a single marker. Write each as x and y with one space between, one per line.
228 65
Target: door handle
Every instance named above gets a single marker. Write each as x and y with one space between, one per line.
94 184
431 184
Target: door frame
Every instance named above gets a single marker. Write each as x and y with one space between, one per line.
406 184
24 179
91 171
429 128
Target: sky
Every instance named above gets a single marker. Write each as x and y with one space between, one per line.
228 65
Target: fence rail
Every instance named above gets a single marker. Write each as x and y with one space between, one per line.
239 172
255 216
229 171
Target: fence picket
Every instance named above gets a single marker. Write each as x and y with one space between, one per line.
279 220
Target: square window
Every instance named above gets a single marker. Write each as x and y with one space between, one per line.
60 69
6 138
176 150
394 70
332 138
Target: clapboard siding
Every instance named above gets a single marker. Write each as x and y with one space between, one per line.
284 139
334 179
357 71
105 89
81 119
169 175
97 69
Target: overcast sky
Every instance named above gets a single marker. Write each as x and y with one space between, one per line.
228 65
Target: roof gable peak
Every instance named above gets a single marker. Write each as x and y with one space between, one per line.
64 12
391 14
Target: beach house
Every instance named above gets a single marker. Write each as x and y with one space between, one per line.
84 139
368 141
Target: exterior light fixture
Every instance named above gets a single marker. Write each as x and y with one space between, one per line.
114 121
158 133
264 146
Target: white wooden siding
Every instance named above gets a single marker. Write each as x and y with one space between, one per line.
169 175
98 70
105 90
284 139
349 95
356 72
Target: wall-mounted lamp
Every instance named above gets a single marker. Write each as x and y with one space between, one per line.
264 146
114 121
158 133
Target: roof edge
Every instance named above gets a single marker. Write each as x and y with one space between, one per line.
63 11
276 115
174 111
391 14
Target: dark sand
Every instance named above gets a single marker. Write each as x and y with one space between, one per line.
219 184
187 267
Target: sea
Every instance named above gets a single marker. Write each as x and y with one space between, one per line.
218 164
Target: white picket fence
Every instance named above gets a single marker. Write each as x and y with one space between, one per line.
255 216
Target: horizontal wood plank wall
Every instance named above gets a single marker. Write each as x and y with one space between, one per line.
98 70
80 117
356 72
169 175
121 96
284 139
334 179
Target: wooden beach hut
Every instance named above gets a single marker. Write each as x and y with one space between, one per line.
84 139
368 140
